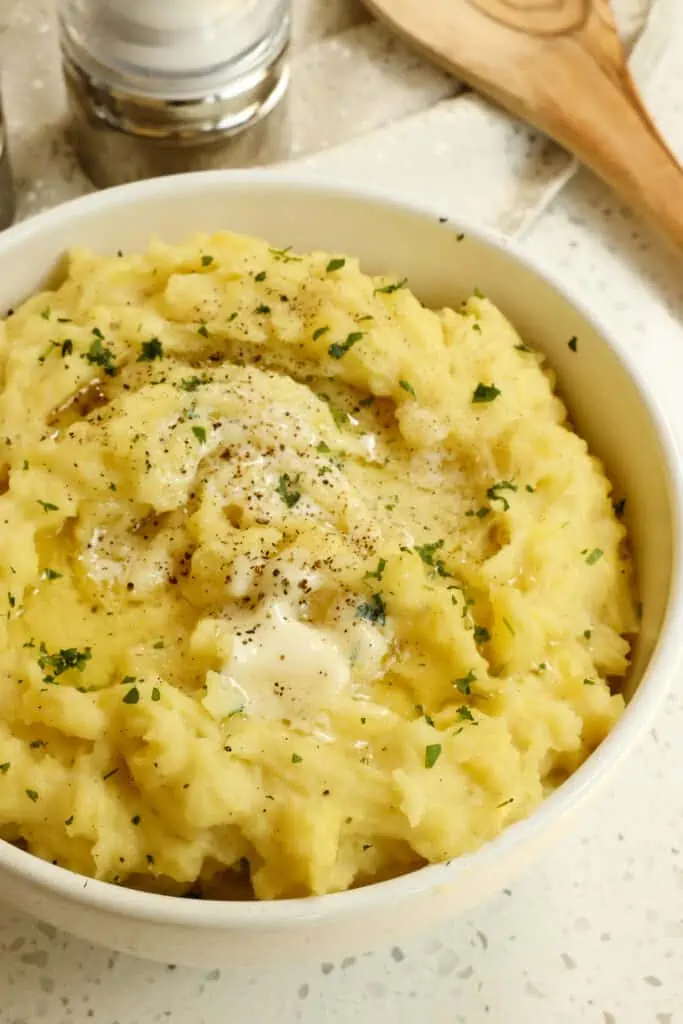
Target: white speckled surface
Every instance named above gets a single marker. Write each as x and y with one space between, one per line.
594 933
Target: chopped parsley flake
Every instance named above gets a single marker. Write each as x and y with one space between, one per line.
494 495
428 718
573 343
203 330
485 393
159 645
427 553
464 713
407 386
200 434
261 276
479 513
5 767
284 255
67 347
70 820
505 803
63 660
335 264
619 507
589 682
192 383
464 685
99 355
481 635
46 313
508 625
319 332
432 754
151 350
376 574
389 289
323 448
594 556
373 610
11 600
37 744
337 349
47 506
263 310
296 759
285 489
135 820
32 795
132 696
51 574
156 694
207 261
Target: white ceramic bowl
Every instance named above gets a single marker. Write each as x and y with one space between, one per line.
610 407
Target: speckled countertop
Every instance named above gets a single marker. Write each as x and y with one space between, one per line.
593 933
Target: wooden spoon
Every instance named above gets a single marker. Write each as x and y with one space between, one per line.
560 65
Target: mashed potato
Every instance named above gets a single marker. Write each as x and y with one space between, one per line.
306 585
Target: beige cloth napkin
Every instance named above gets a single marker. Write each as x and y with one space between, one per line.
364 109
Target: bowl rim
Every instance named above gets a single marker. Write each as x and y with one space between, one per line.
217 915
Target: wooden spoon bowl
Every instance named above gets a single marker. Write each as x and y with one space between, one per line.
560 65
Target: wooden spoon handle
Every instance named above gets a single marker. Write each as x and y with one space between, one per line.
560 66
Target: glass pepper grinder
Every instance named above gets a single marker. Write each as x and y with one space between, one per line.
163 86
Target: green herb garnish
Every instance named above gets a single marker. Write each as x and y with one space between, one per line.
373 610
337 350
63 660
335 264
207 261
464 713
5 767
156 694
464 685
32 795
389 289
481 635
47 506
203 330
485 393
427 553
296 759
407 386
200 434
262 310
192 383
132 696
318 333
594 556
52 574
619 507
494 495
589 682
150 350
432 754
285 489
99 355
284 255
67 347
261 276
573 343
376 574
